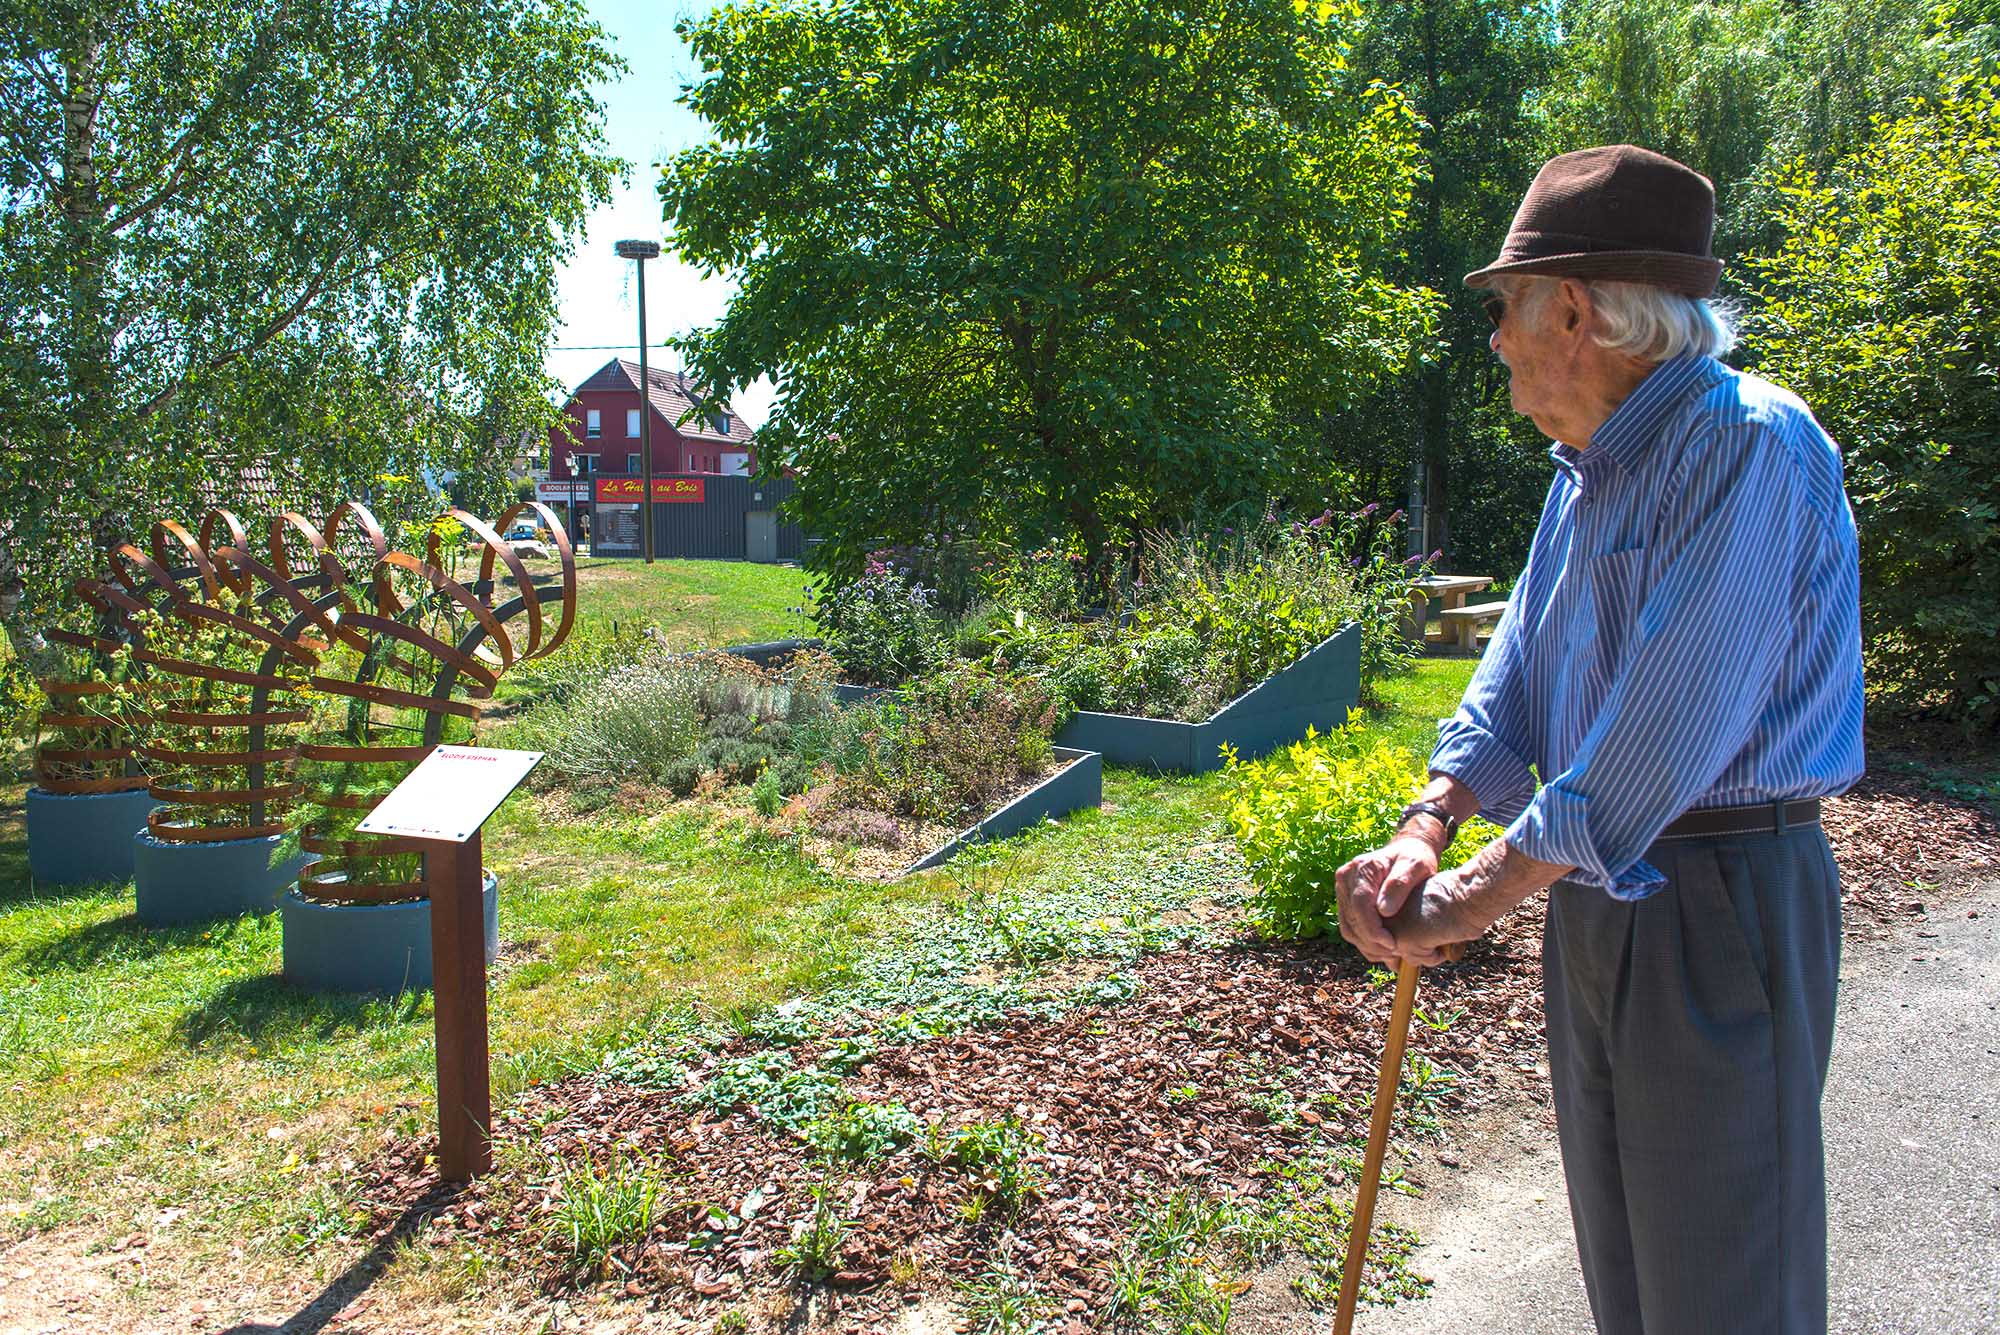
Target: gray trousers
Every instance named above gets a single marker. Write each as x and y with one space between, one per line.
1689 1034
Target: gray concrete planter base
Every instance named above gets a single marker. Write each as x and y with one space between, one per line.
370 947
1316 691
1077 785
177 883
83 838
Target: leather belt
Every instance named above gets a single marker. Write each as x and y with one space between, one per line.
1764 818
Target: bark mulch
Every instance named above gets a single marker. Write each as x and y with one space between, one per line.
1227 1063
1901 844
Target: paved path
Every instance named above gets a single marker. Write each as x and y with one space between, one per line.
1913 1164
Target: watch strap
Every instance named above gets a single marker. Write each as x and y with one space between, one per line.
1433 809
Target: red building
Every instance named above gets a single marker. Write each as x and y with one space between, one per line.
599 434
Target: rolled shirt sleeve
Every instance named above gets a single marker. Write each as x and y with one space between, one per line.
1705 649
1484 744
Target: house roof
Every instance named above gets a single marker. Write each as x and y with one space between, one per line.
672 395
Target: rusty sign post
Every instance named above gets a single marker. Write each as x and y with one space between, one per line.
441 805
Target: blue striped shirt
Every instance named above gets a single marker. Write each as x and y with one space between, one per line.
1686 634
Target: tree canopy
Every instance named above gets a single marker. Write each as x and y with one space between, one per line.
1032 266
314 236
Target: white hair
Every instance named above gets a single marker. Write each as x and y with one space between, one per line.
1639 320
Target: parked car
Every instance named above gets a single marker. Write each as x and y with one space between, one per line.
526 541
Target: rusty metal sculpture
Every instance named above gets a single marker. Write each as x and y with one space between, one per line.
231 742
81 750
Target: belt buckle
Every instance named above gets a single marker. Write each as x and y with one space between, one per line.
1778 815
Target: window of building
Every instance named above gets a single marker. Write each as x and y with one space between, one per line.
586 464
632 422
632 463
593 423
722 424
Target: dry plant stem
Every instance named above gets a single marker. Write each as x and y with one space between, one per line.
1378 1143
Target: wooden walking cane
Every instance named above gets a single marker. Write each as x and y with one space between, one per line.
1378 1140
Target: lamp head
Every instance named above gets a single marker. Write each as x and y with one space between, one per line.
638 250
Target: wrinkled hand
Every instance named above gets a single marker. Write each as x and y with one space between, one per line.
1439 916
1373 888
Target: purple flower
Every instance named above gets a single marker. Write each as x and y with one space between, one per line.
1356 563
1396 518
1436 555
1369 509
1319 522
1412 560
1229 530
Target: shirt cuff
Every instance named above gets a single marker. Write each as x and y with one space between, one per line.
1555 828
1493 770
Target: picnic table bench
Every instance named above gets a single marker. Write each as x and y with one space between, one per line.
1463 623
1450 590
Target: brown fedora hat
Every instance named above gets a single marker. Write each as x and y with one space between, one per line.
1620 213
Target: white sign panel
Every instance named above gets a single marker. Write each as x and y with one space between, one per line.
545 492
450 795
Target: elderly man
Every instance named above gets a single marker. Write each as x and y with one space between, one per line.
1680 663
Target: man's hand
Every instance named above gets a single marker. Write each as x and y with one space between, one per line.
1372 889
1440 916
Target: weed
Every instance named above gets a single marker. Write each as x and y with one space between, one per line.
328 1213
814 1251
1423 1092
997 1154
597 1212
732 1322
1003 1302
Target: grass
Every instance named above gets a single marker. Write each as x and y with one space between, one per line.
149 1072
700 604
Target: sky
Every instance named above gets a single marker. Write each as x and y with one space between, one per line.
643 122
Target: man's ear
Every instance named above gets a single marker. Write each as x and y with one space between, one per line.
1575 299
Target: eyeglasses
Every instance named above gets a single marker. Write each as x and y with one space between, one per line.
1496 309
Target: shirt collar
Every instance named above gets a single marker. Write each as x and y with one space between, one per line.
1634 424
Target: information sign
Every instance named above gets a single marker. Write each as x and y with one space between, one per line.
450 794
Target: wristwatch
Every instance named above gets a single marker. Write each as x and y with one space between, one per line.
1437 809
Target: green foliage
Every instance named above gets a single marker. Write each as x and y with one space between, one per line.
599 1211
312 237
1878 308
883 628
1023 269
770 1085
997 1154
814 1250
1301 813
863 1131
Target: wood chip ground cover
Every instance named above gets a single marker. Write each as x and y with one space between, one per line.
1211 1067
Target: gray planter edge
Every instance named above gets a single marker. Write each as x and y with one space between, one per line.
1078 785
77 839
349 948
1317 691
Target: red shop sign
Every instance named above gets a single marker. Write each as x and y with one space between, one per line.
614 489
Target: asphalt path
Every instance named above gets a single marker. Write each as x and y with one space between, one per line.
1912 1117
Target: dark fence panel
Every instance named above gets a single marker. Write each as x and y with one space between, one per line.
716 527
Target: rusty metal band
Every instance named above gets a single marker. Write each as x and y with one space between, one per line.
167 831
81 722
237 538
126 555
74 640
384 695
191 718
211 579
88 787
564 554
327 622
244 626
52 687
217 759
379 846
224 797
389 604
336 888
63 755
486 678
183 668
494 547
316 542
326 797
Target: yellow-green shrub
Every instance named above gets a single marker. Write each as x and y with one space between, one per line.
1303 811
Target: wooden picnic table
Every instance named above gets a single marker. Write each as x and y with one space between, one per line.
1451 590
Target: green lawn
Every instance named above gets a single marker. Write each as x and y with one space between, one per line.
698 604
148 1070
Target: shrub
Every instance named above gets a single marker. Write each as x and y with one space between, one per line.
1877 308
766 794
1302 812
636 721
883 628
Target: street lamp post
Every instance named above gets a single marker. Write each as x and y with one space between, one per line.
641 251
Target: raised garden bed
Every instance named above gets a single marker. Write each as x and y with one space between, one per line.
193 882
84 838
1077 785
1317 691
386 948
